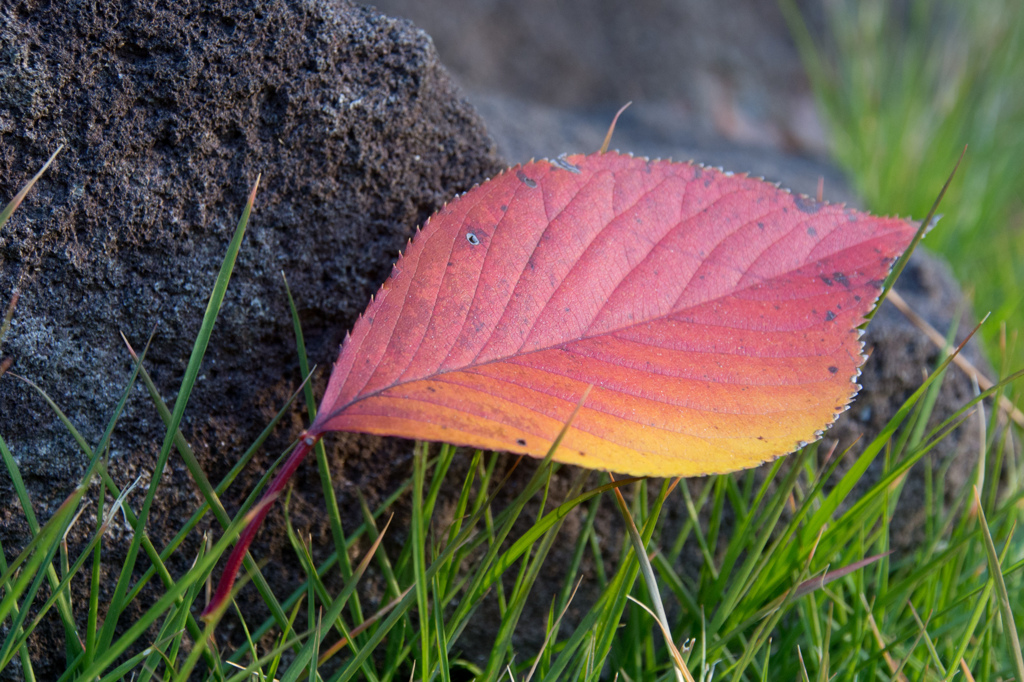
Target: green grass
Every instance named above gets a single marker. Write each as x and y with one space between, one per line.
788 592
902 92
796 579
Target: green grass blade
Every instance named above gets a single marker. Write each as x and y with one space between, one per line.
541 527
23 653
530 570
64 607
640 551
211 495
995 570
117 601
444 668
95 465
323 467
175 591
419 545
304 657
296 595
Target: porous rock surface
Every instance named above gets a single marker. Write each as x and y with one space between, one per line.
167 113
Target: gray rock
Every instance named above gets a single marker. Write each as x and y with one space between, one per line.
726 69
167 114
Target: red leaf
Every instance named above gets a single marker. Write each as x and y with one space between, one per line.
715 315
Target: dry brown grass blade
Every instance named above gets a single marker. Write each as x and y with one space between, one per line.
882 644
5 324
362 627
552 631
611 128
12 206
959 360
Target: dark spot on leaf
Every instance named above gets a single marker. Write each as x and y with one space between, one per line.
707 182
521 442
760 437
826 280
431 389
841 278
504 207
856 298
760 225
833 369
472 238
806 204
529 182
829 316
811 231
877 283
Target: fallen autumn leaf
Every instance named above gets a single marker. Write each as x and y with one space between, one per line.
715 315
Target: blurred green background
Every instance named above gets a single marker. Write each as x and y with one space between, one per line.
902 87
